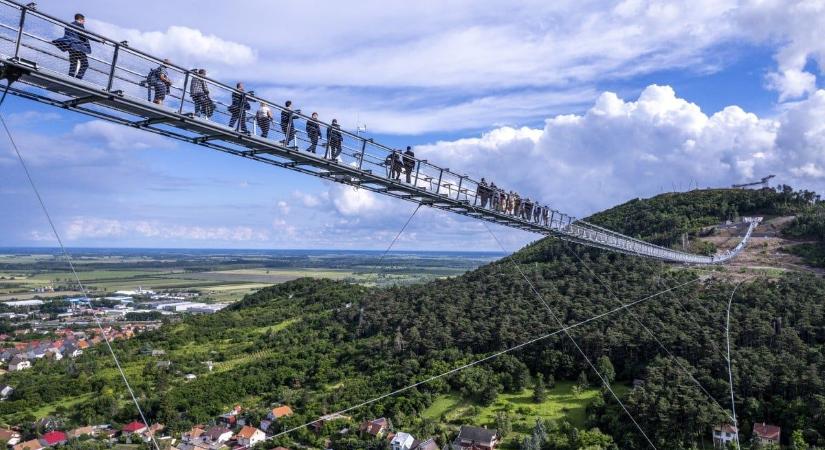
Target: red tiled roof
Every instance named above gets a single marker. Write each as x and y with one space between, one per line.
766 431
54 437
281 411
133 427
247 432
725 428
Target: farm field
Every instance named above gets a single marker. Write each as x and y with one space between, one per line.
218 276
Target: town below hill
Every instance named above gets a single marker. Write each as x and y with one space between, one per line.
270 369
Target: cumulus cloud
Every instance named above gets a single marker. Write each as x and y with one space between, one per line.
184 45
96 228
796 27
619 149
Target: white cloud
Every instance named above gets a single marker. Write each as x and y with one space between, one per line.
350 201
620 149
118 137
183 45
796 27
95 228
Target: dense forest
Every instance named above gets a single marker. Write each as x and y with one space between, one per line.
321 346
665 218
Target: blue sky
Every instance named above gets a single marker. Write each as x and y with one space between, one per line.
582 104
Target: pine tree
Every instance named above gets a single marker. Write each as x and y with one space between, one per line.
606 369
539 391
539 432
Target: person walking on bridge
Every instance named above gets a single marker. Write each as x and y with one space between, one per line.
264 119
199 91
76 42
393 163
158 81
482 192
313 132
288 123
240 105
334 139
409 163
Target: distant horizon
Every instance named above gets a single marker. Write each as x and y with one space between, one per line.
204 249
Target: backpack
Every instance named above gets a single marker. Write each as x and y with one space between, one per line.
154 76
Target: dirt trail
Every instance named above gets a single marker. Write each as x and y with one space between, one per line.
764 252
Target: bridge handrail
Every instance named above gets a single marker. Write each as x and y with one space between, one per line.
358 152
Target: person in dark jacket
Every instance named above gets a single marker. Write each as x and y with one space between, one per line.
334 139
288 122
159 81
199 91
77 44
240 105
483 192
409 163
313 132
393 163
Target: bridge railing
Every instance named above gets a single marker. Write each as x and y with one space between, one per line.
116 67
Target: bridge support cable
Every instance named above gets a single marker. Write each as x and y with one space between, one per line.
730 370
570 337
705 313
115 89
400 232
70 262
650 332
491 356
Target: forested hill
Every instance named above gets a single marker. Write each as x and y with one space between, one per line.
664 218
321 346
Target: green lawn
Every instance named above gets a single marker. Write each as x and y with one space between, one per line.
560 403
278 326
67 403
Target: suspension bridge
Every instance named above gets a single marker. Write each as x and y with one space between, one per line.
114 89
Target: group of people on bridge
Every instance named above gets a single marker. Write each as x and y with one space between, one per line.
158 85
512 204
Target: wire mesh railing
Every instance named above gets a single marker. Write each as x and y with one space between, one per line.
118 69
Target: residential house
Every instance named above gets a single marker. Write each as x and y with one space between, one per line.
33 444
197 445
249 436
217 435
194 434
723 435
265 424
10 437
135 427
190 376
5 391
82 431
402 441
72 350
375 428
765 434
233 417
54 354
19 363
279 412
475 438
429 444
53 438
